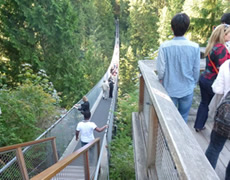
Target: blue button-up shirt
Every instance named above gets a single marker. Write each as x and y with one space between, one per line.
178 66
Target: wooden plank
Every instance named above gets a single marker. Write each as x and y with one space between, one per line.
203 138
224 156
141 94
8 148
152 138
139 148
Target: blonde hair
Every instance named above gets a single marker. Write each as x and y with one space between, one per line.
217 36
85 98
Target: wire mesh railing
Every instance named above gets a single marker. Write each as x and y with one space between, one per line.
165 166
80 164
39 156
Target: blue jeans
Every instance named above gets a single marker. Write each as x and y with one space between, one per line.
183 105
214 148
206 97
83 143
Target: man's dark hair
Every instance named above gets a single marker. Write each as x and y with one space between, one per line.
87 115
180 23
225 18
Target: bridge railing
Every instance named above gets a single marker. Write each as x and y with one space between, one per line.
64 128
40 155
58 170
164 146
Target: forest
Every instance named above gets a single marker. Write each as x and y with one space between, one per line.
53 52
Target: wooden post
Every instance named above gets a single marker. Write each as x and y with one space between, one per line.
152 138
141 94
86 165
54 150
22 163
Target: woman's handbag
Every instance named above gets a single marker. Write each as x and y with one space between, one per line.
213 65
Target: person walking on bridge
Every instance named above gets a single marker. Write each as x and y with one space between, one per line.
86 127
111 87
105 89
178 65
84 106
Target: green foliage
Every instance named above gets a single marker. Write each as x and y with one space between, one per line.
142 27
27 75
122 158
128 70
204 14
61 37
24 110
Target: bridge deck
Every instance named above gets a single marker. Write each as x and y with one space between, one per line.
203 139
100 118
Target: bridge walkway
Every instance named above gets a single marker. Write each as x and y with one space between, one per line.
203 139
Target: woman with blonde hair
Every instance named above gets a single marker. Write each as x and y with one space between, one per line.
84 106
216 54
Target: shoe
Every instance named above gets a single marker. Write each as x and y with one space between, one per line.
198 130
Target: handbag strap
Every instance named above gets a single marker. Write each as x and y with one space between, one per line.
213 65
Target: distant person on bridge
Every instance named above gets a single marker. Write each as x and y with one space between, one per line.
216 54
178 65
105 89
111 87
84 106
86 128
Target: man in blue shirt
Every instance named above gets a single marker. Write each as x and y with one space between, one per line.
178 65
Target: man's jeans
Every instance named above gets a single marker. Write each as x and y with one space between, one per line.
214 148
183 105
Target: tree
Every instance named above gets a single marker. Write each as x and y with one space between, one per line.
204 14
142 29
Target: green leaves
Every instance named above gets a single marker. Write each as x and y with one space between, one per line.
67 39
24 113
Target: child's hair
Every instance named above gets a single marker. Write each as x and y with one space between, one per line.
85 98
87 115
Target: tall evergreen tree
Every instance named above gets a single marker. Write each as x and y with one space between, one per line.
142 30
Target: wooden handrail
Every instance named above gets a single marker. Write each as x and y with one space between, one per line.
161 118
60 165
8 148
